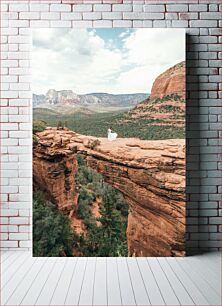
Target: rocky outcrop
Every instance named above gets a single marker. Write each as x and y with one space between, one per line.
166 104
172 81
150 175
54 172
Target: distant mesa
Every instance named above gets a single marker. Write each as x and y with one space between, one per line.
69 98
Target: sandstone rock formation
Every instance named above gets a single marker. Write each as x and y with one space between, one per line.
150 175
166 104
169 82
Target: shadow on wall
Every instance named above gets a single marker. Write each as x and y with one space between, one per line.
192 148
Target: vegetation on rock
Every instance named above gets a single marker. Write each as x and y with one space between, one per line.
52 234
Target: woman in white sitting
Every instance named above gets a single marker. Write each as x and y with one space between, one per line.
111 136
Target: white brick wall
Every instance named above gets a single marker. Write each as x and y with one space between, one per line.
199 17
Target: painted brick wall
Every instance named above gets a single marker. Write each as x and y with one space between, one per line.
202 22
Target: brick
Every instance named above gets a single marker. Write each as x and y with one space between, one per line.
177 8
197 7
171 16
122 23
215 220
60 8
24 229
18 236
50 16
213 7
9 228
135 15
148 23
203 23
18 55
9 244
208 39
9 63
102 7
215 236
25 244
60 24
39 7
71 16
138 23
215 63
162 23
20 39
102 23
19 7
216 31
82 24
82 8
137 8
19 86
200 236
187 16
154 8
24 212
92 15
19 71
208 15
9 94
9 212
29 15
4 7
39 24
18 23
121 7
180 23
112 15
9 31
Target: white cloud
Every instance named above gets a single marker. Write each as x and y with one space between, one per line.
84 62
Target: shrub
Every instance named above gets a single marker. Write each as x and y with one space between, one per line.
35 140
92 144
60 125
39 126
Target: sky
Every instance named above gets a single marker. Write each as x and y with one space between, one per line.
113 61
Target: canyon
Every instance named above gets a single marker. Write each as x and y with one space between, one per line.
149 173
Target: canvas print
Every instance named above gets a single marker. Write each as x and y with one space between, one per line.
108 142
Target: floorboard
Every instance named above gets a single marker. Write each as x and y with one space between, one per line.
126 289
154 293
139 288
166 288
207 291
63 284
113 285
86 295
75 286
27 280
100 283
189 284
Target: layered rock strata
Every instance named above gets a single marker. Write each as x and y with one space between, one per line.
150 175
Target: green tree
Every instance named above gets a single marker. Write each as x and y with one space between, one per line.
52 234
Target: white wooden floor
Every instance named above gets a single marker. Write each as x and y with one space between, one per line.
110 281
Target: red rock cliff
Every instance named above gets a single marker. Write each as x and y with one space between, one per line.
150 175
172 81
